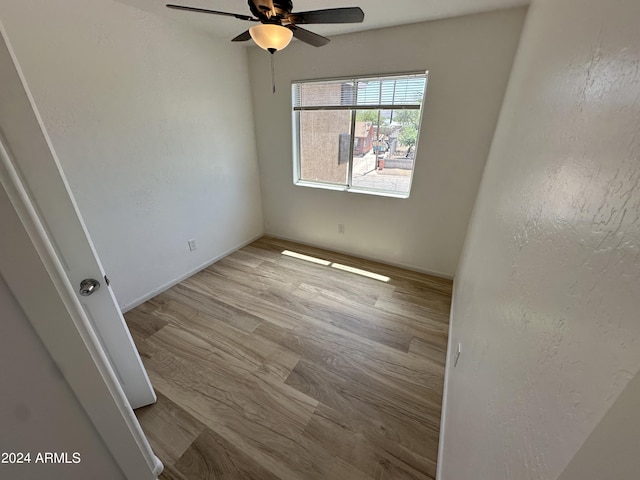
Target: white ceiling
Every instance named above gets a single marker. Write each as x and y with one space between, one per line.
378 13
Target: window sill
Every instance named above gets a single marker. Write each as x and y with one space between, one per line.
342 188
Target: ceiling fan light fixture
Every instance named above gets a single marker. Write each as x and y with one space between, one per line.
271 37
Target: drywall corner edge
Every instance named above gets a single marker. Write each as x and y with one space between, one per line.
445 391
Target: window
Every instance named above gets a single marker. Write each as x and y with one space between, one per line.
358 134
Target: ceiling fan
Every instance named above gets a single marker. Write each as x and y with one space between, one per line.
277 24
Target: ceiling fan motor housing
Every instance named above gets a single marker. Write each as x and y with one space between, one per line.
270 11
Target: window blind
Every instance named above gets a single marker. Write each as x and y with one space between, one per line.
385 92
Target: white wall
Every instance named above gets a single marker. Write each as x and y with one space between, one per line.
153 126
38 411
469 60
546 297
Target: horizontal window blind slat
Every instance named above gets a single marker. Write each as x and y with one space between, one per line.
359 107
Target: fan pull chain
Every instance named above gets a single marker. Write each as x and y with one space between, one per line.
273 76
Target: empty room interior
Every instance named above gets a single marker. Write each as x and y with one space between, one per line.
401 241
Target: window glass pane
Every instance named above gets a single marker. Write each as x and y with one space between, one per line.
361 133
383 150
409 91
391 91
368 92
324 145
326 94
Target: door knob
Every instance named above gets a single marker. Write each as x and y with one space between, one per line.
88 286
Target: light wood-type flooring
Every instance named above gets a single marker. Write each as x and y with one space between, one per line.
269 366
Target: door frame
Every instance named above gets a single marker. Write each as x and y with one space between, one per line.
30 265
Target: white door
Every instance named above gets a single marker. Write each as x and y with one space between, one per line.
29 150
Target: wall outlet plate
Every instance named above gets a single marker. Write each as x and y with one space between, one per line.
455 362
192 245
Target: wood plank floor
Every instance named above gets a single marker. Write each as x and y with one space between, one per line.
269 366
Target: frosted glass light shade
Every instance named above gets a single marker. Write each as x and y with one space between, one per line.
271 37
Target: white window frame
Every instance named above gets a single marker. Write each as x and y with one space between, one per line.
353 108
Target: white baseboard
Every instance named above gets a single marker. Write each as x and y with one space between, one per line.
413 268
445 392
177 280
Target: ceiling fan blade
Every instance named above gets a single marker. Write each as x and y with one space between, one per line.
213 12
308 37
243 37
329 15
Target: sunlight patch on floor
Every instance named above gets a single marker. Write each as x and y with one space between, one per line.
308 258
358 271
339 266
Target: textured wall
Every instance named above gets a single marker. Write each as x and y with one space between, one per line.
153 126
546 299
469 60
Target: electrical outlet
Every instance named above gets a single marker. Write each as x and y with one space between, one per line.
192 245
341 228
